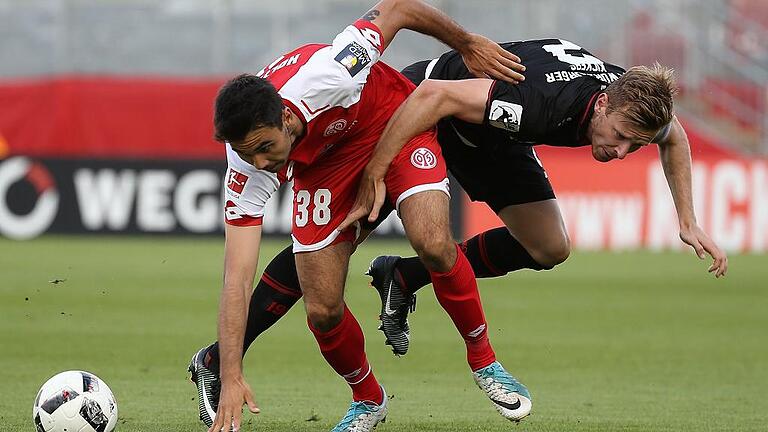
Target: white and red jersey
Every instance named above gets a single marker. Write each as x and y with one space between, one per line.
246 191
341 94
345 98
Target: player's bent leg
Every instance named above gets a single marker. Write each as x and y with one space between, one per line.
338 334
438 250
425 218
539 229
535 237
426 215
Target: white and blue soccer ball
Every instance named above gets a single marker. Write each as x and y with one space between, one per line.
75 401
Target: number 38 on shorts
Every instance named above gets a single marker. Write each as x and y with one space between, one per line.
313 208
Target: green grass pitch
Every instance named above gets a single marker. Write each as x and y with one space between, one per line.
606 342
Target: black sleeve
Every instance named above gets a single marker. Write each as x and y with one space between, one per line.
513 108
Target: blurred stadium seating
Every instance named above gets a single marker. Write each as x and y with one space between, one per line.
719 47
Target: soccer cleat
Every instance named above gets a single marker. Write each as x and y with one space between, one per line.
394 304
510 398
363 416
208 387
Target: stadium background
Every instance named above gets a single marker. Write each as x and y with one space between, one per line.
105 144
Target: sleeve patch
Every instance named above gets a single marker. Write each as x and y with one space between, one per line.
236 181
505 115
354 58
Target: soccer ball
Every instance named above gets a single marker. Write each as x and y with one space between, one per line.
75 401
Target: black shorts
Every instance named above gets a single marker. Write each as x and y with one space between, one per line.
497 171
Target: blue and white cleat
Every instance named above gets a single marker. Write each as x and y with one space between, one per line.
510 398
363 416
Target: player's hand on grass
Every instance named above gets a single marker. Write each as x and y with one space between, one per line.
230 412
703 245
370 197
486 59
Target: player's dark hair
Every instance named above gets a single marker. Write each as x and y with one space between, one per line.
244 103
644 96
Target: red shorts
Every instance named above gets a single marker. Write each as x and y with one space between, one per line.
324 193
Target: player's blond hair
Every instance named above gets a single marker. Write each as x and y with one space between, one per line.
644 96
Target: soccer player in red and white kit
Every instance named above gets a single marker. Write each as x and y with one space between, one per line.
314 116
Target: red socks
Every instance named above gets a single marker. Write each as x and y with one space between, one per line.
457 293
344 349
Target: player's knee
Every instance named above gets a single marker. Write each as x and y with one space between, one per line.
324 317
437 253
553 253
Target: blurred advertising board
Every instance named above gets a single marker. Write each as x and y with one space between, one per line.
101 196
115 155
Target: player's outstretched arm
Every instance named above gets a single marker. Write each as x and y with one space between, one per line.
483 57
241 254
431 101
675 154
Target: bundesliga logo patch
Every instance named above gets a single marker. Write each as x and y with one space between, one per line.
236 181
353 57
423 158
505 115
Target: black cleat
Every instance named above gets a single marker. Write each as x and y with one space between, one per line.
208 386
394 304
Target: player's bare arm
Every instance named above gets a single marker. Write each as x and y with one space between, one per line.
675 155
431 101
241 254
483 57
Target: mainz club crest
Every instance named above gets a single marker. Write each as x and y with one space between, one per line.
335 127
423 158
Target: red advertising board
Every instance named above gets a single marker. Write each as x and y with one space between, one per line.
105 117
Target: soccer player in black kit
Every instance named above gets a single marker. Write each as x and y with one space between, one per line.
486 129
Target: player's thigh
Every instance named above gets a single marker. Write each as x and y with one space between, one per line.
425 215
427 225
321 275
540 228
418 185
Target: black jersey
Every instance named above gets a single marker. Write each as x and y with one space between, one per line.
552 106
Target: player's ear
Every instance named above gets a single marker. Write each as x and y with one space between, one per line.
286 116
601 103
